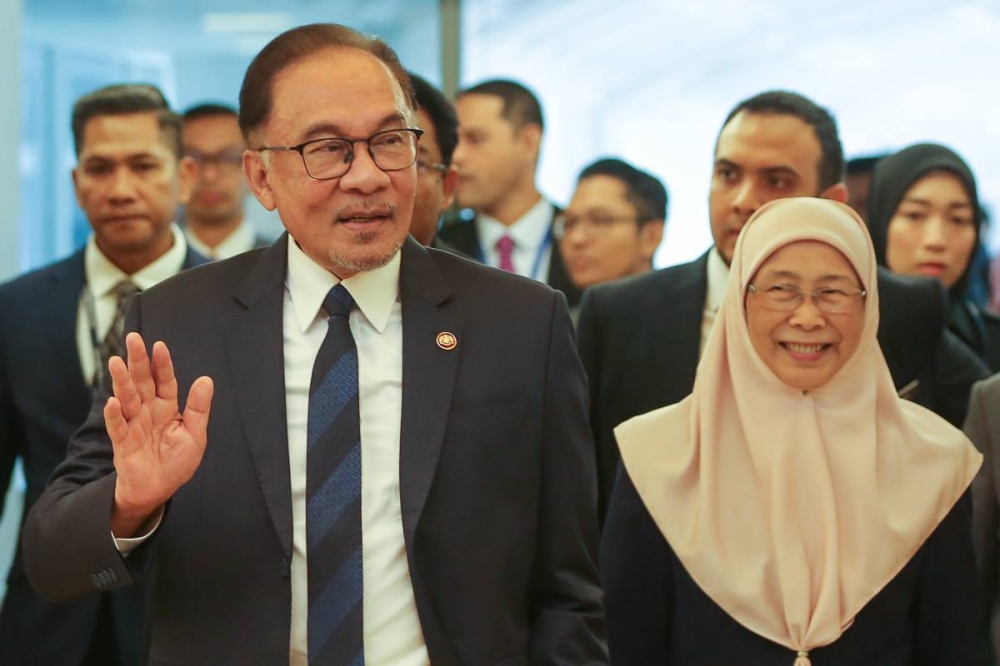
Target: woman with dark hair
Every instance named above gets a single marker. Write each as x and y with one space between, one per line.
924 217
793 510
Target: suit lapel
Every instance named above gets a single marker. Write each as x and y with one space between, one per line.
255 351
428 379
679 310
62 305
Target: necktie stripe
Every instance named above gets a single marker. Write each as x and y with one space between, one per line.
332 395
328 502
336 606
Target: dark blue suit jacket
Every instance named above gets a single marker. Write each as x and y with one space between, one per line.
44 398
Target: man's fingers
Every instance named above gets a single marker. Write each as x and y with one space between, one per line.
163 373
138 367
124 388
115 422
196 411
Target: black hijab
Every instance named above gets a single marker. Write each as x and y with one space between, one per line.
895 174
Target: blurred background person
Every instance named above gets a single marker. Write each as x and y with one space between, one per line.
924 220
215 219
613 223
793 508
67 322
859 181
500 129
436 176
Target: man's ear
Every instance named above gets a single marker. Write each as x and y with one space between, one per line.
836 192
256 173
76 185
650 236
449 180
530 137
186 174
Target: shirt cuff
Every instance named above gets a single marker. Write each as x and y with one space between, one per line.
126 546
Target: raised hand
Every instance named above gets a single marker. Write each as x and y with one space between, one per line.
156 448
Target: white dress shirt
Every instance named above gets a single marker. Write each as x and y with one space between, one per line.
242 239
392 633
718 279
101 277
532 236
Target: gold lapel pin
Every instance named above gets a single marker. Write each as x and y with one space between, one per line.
447 341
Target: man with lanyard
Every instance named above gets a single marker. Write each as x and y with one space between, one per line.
500 129
62 324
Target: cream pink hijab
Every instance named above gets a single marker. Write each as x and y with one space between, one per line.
792 510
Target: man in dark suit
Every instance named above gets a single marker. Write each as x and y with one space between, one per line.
436 175
640 339
58 323
345 382
499 138
215 217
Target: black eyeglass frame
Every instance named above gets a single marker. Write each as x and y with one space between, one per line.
349 156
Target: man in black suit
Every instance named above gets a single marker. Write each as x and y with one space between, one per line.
500 129
640 339
436 175
215 216
344 383
59 322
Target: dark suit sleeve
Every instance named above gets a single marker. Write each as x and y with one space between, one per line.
956 368
984 508
945 630
636 574
605 449
567 625
68 548
11 435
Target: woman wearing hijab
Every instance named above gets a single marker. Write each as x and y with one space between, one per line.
923 212
793 510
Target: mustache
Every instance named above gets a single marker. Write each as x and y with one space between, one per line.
368 209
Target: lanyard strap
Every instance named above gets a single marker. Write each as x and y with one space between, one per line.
90 307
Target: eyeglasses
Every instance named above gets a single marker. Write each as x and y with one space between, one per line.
230 160
324 159
599 222
787 297
427 167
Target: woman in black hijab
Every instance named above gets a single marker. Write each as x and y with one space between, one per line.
923 213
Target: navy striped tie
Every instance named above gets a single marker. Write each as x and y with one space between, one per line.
333 495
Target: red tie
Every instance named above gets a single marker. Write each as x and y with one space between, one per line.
505 248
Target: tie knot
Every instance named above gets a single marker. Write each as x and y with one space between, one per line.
505 244
125 290
338 302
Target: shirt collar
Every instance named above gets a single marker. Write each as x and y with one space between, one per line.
375 291
102 275
240 240
718 278
528 232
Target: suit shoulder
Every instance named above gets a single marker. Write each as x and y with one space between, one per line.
227 272
624 292
29 284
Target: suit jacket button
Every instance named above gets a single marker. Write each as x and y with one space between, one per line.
285 569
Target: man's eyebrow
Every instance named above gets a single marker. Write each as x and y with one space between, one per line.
779 170
722 161
330 130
